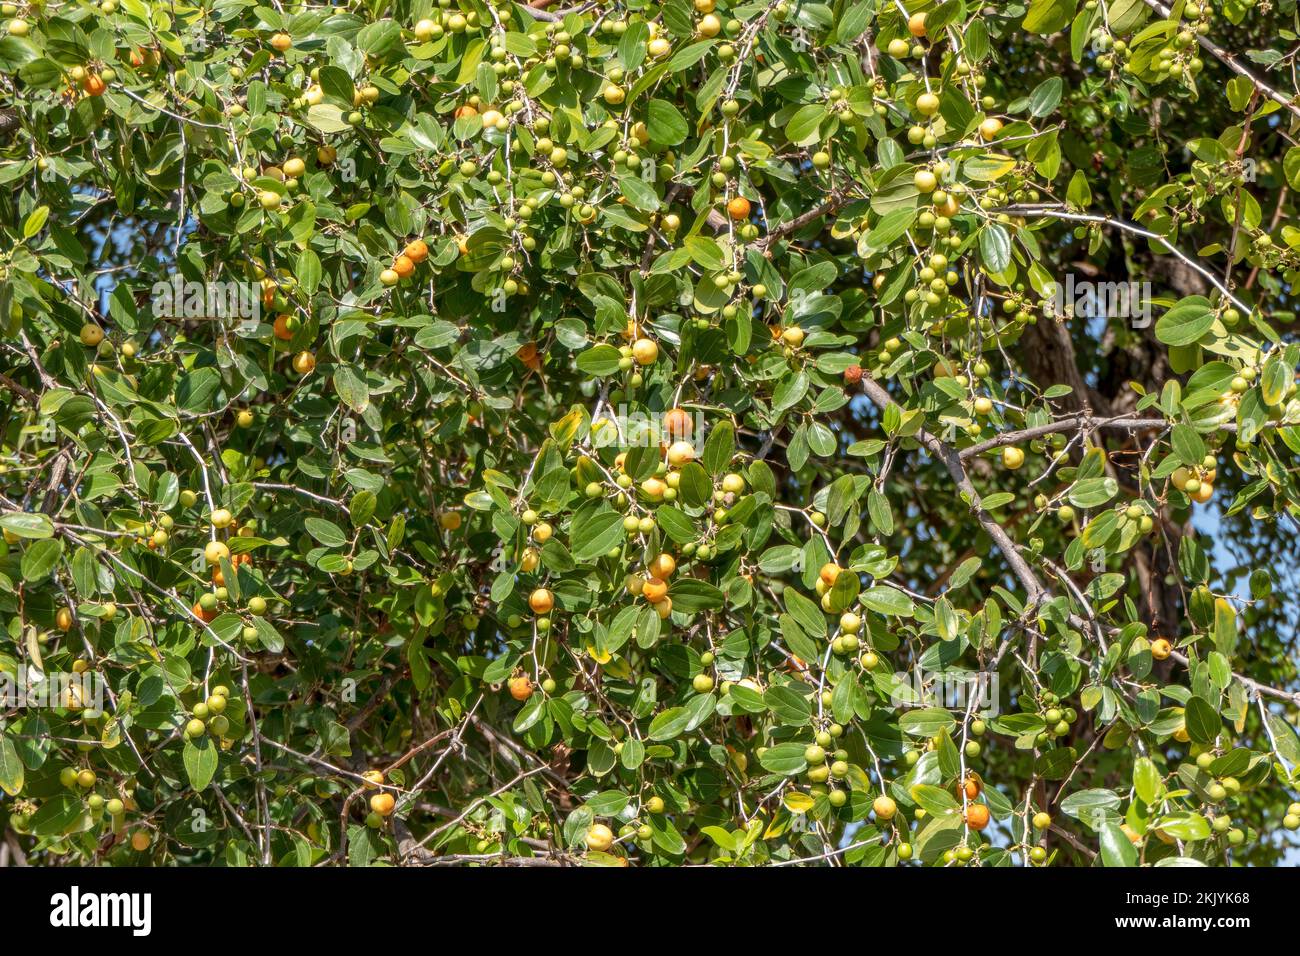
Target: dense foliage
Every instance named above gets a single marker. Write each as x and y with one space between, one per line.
502 434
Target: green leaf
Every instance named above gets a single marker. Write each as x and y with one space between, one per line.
1186 322
1203 722
1116 848
27 525
200 759
12 771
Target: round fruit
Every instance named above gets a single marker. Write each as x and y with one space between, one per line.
382 803
1012 457
680 453
541 601
738 208
677 423
214 551
1161 649
645 351
885 807
281 42
662 566
91 334
916 24
599 837
977 816
304 362
521 688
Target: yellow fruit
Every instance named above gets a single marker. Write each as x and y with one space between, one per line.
91 334
885 807
215 551
645 351
662 567
374 778
600 837
382 803
916 24
990 128
1161 649
793 336
680 453
304 362
541 601
1012 457
221 518
709 25
927 104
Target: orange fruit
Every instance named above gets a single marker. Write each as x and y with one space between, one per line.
541 601
382 803
403 265
972 786
738 208
977 816
281 328
654 590
281 42
677 423
521 688
416 250
93 84
465 110
662 567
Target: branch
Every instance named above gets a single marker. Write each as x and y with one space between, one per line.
1057 211
952 461
1230 61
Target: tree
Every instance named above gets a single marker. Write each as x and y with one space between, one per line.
835 433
